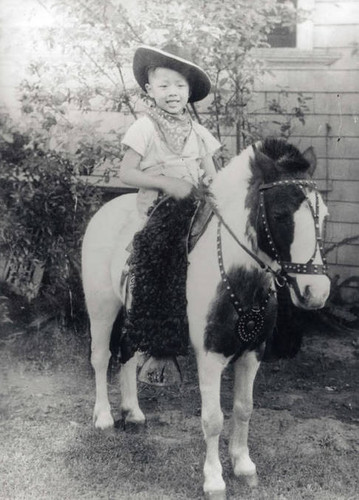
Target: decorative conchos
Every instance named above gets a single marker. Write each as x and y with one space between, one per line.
250 325
250 322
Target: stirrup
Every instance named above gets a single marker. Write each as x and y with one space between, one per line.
160 372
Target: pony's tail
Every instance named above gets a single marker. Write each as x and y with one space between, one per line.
120 352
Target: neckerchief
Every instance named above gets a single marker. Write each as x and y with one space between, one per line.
174 129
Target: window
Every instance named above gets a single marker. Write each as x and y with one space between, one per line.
293 47
283 36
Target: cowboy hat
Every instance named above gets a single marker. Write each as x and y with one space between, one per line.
175 58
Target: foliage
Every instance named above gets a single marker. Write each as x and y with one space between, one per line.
83 63
289 112
90 53
342 307
44 211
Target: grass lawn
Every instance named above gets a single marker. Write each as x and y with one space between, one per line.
303 436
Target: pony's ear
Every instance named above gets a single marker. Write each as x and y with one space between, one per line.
266 165
309 155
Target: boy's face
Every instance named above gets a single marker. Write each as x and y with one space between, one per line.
169 89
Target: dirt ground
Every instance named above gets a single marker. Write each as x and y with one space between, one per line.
303 434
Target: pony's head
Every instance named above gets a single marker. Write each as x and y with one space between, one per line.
287 214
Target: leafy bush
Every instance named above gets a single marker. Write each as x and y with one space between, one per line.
44 211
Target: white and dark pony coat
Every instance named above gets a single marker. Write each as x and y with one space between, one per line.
212 315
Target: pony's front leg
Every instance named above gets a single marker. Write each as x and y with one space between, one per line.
245 371
128 387
210 366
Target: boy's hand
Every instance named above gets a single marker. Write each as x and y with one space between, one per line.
176 188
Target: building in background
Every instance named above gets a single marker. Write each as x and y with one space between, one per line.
324 66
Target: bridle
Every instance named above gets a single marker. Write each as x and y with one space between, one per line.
251 319
282 275
294 267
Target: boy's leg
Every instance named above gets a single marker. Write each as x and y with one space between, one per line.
159 371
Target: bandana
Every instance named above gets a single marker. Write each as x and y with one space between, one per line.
174 129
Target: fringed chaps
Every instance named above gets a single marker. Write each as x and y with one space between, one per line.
157 322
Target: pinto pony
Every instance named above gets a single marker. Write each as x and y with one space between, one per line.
266 232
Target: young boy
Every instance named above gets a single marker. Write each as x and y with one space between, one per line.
167 153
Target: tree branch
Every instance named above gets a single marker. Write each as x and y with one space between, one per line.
345 241
84 51
136 35
216 107
127 97
195 112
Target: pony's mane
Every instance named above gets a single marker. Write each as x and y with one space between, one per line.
266 161
236 186
282 159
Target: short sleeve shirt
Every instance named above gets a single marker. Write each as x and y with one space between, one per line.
158 159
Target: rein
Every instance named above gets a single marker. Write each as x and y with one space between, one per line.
251 321
255 257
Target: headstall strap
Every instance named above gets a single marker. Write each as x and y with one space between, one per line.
287 182
250 321
293 267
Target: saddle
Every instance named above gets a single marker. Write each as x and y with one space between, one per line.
155 317
199 223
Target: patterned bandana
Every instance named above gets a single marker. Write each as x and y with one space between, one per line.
174 129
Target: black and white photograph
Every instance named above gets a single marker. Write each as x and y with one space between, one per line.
179 249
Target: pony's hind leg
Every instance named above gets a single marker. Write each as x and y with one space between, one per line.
210 367
102 308
245 371
128 387
100 355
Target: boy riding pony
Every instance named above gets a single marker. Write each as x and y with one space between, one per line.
167 154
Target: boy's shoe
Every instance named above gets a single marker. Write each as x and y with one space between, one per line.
160 372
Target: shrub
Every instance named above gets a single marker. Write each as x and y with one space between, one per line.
44 211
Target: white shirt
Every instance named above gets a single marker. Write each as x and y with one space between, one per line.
158 159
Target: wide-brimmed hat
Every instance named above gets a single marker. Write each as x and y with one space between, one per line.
173 57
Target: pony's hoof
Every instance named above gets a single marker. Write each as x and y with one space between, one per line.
103 421
131 422
133 416
251 481
215 495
